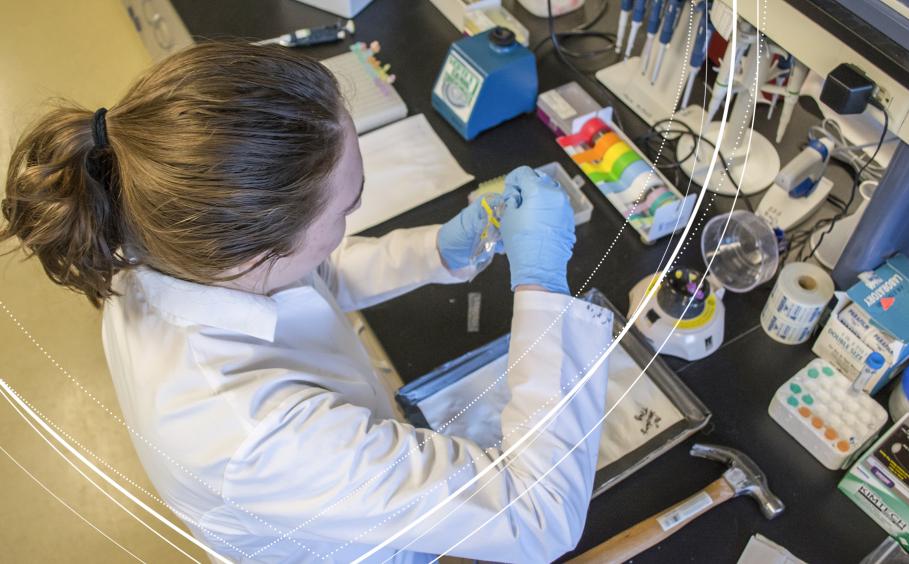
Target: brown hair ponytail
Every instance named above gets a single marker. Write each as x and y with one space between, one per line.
215 157
60 206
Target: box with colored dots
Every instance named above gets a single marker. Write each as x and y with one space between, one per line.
820 410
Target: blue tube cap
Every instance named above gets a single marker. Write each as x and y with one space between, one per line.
875 361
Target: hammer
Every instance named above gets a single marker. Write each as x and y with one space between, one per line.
742 477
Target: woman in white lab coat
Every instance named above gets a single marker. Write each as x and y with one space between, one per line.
205 212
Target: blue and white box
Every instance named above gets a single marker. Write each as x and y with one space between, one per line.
872 316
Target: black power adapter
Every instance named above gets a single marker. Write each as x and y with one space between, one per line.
847 90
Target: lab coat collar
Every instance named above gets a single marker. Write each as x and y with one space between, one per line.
232 310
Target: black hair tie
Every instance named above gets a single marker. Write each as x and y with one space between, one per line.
99 129
98 161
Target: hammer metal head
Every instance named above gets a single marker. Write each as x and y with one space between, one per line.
743 475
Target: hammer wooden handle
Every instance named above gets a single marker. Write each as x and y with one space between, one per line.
653 530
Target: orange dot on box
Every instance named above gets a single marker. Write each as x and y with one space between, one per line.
804 411
830 434
843 446
816 422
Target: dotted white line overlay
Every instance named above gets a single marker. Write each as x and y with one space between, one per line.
488 450
13 399
623 395
136 433
576 388
101 460
351 494
82 388
596 426
394 463
68 506
583 286
475 399
492 385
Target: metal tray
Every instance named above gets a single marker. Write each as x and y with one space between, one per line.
694 414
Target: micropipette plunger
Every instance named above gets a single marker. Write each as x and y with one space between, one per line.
731 59
793 87
637 16
653 26
672 12
784 65
699 53
623 23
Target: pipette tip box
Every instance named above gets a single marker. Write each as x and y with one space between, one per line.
581 206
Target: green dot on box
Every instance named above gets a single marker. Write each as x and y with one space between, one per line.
796 389
808 399
812 373
828 371
793 401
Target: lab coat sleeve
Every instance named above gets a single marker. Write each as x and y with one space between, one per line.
319 468
365 271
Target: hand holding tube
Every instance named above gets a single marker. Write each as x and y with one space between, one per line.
537 230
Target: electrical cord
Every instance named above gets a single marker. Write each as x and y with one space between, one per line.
836 202
671 142
830 223
853 155
583 31
557 38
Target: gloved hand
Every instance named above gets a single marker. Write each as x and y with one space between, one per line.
459 237
537 230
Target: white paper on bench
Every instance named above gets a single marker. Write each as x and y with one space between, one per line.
406 164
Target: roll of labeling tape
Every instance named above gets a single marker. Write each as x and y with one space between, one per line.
795 305
599 149
652 193
586 134
636 178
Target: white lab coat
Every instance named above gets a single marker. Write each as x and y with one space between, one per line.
260 421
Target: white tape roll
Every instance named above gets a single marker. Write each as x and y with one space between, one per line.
796 302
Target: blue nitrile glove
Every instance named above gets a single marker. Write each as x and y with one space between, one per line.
537 230
460 236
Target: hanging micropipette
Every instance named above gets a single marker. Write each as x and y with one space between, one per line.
699 53
623 23
653 26
637 16
731 59
784 66
672 12
797 75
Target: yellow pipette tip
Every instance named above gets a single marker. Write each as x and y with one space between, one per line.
490 214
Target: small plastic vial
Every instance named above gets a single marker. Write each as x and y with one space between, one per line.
873 363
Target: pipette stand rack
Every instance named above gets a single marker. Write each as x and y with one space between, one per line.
657 101
752 159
